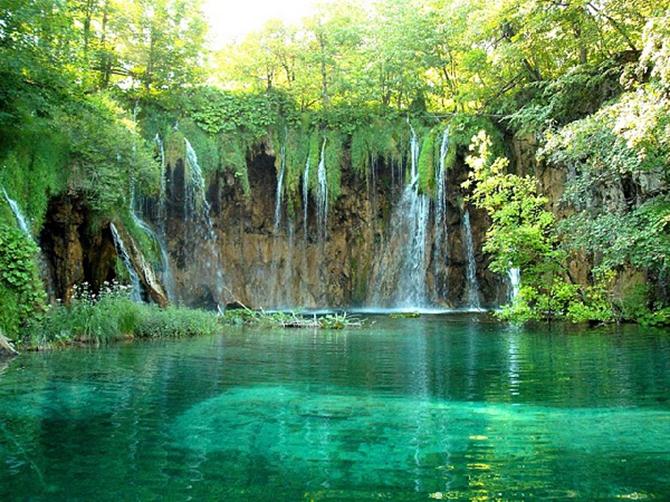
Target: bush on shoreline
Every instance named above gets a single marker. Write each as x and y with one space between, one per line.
109 316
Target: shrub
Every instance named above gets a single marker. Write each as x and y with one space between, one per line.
111 315
21 290
175 322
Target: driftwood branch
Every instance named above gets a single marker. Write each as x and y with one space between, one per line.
6 346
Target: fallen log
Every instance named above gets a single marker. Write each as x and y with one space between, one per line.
6 346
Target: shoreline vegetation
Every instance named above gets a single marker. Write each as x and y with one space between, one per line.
112 316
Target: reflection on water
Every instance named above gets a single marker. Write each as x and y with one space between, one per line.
442 407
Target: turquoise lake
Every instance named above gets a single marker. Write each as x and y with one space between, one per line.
450 407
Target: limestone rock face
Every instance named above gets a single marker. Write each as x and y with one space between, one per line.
78 251
61 241
294 266
150 283
241 254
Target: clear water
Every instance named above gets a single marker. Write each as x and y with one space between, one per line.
440 407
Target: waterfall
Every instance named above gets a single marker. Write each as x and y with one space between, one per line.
322 194
24 226
416 208
401 274
280 189
197 214
21 220
287 279
166 272
514 278
136 292
305 197
441 243
161 151
472 285
441 199
194 190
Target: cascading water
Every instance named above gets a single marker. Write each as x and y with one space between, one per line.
401 276
166 272
412 285
471 285
275 284
197 215
322 195
514 278
161 151
305 197
21 220
441 198
441 248
280 189
136 291
24 226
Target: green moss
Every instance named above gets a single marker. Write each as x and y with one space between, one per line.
148 246
334 155
233 150
297 145
175 147
380 139
32 171
106 155
205 145
11 312
427 161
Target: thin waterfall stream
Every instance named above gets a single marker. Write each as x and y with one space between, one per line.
440 230
400 278
514 278
471 284
322 195
274 274
136 286
166 276
305 197
197 214
280 189
21 219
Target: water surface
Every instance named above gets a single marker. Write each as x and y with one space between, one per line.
440 407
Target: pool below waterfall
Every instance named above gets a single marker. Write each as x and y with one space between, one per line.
437 407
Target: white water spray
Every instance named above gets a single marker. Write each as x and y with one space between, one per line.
197 213
322 194
415 207
305 197
400 278
514 278
472 285
441 199
280 189
166 272
136 291
21 220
